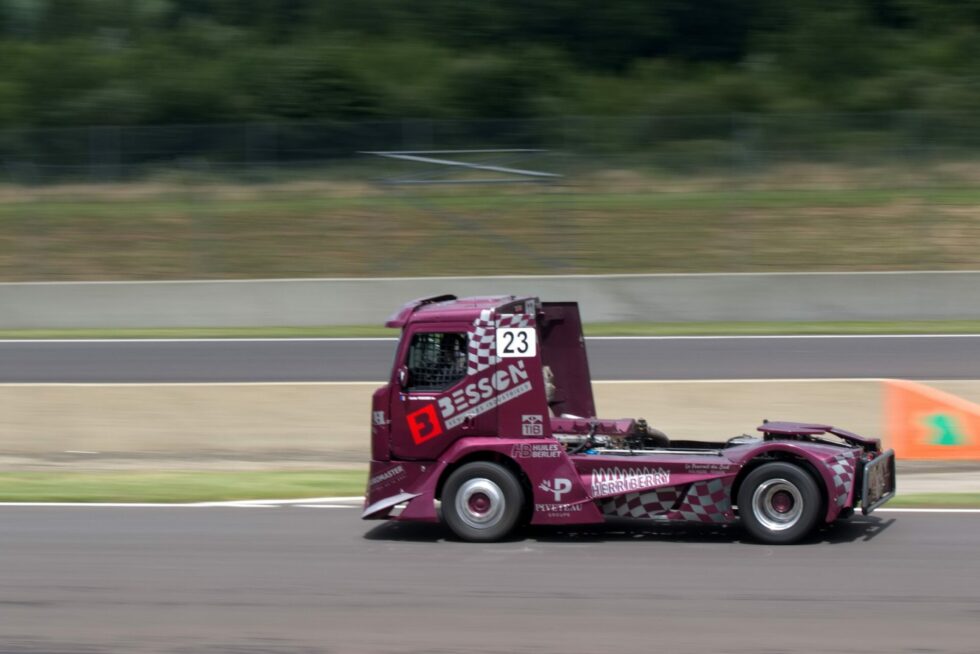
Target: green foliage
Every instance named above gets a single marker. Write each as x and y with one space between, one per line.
85 62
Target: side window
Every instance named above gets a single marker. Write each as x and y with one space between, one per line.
436 360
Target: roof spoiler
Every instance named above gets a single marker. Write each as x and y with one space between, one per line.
400 317
811 429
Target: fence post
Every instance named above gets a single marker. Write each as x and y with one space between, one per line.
104 153
417 134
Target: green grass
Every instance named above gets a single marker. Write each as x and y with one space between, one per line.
140 486
597 329
204 486
650 224
936 500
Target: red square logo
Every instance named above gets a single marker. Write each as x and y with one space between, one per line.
424 424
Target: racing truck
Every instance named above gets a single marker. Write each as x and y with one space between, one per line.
488 423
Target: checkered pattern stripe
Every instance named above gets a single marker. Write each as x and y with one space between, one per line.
842 468
649 504
482 350
707 501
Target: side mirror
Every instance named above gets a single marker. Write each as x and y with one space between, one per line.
403 377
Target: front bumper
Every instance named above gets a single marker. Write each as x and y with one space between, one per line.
878 481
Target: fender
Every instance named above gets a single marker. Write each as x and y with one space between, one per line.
557 493
822 460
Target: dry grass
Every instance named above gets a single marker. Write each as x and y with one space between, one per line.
795 217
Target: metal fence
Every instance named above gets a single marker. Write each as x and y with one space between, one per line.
698 193
742 143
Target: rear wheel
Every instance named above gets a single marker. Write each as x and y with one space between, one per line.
482 501
779 503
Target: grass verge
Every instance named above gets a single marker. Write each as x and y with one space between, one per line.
937 500
784 218
198 486
130 486
595 329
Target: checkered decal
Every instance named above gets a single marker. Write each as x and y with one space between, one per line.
842 468
650 504
483 347
707 501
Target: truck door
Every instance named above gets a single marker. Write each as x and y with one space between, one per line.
434 401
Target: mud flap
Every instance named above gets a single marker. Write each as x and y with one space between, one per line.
383 506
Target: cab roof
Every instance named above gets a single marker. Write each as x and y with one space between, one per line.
449 308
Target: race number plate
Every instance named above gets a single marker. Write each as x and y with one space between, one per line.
516 342
879 482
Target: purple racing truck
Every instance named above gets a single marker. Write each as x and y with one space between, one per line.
488 421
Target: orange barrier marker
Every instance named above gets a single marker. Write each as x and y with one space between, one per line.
924 423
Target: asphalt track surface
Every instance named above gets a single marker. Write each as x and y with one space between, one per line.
297 580
285 360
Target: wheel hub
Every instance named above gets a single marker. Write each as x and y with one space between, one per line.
480 503
777 504
782 501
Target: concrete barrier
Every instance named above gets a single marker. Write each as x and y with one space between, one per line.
604 298
329 422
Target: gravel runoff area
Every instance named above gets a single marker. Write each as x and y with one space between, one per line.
938 477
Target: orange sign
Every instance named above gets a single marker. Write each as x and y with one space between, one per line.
924 423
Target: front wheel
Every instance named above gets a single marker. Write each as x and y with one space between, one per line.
482 502
779 503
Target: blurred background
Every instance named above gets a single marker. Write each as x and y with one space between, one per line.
195 139
346 148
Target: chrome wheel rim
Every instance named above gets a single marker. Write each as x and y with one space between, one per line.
777 504
480 503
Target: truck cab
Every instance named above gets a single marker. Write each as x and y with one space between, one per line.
479 367
488 421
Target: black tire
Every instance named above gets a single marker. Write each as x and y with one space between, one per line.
482 502
779 503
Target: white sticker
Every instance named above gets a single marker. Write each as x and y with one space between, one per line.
513 342
532 425
558 487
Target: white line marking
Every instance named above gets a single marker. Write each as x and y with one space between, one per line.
326 506
172 383
305 500
322 503
348 501
343 339
375 384
242 505
216 340
727 381
746 337
923 510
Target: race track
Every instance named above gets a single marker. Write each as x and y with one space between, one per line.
797 357
303 580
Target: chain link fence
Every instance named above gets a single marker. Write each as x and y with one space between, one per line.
696 193
744 144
